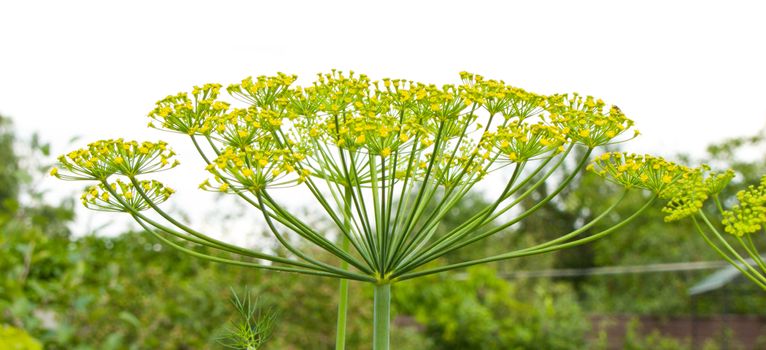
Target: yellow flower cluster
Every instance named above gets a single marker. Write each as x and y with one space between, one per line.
107 157
264 92
186 115
301 131
497 97
587 120
340 95
749 215
639 171
517 141
386 118
686 197
348 112
434 104
253 168
100 198
686 189
378 134
242 128
689 194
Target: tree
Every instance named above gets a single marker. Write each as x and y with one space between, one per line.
9 174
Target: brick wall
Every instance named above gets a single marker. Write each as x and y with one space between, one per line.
745 329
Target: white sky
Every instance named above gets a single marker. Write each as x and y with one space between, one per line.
688 72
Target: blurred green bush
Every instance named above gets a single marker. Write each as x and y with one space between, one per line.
481 311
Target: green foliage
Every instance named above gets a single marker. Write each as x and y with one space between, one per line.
128 292
635 341
254 326
483 311
141 295
9 171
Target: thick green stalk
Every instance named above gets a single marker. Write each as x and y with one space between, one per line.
340 336
382 317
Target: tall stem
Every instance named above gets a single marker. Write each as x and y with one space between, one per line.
382 316
340 336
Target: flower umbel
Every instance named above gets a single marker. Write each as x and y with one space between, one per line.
124 197
749 215
189 115
104 158
587 120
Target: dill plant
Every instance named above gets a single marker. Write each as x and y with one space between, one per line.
384 160
252 328
686 190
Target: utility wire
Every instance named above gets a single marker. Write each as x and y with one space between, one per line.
614 270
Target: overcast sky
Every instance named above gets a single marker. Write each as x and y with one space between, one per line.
687 72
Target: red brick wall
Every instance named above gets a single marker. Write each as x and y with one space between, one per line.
745 329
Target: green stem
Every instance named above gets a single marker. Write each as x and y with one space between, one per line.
724 255
758 258
753 253
382 316
528 251
454 240
731 250
228 261
340 336
282 240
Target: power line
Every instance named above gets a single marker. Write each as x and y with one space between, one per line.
618 270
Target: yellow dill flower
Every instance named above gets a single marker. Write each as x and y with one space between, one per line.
106 157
